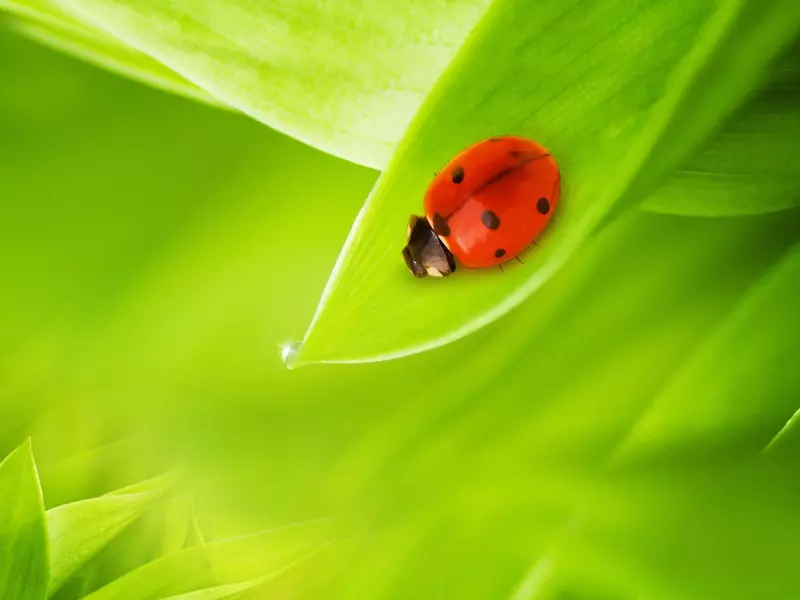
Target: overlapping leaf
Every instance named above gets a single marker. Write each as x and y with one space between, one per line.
748 167
79 530
346 77
51 24
222 563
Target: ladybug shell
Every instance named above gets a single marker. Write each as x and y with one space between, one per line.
493 200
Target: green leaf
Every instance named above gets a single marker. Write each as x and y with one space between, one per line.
619 112
79 530
749 166
346 79
735 408
49 24
23 536
225 562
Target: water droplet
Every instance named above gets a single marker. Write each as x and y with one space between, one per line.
289 352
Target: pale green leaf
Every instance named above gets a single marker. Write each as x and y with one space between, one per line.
51 14
48 23
619 112
79 530
23 535
115 57
344 77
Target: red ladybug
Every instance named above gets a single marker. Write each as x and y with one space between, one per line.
485 207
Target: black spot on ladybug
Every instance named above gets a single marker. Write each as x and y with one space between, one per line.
490 220
495 139
517 153
458 174
499 253
543 206
440 225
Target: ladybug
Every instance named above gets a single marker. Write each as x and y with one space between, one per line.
485 207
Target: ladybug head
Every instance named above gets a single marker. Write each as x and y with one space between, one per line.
425 254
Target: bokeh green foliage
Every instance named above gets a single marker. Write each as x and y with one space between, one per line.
626 432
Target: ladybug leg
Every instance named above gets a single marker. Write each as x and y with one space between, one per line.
501 268
519 260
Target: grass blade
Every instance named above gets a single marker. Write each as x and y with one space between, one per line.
221 563
23 535
79 530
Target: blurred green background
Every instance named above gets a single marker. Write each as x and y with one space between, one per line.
624 433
